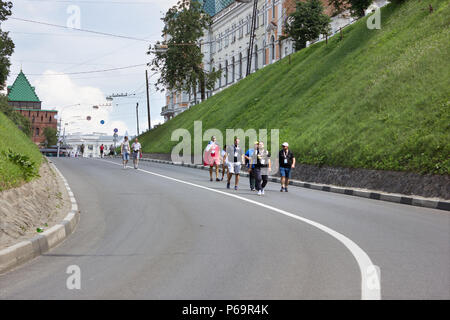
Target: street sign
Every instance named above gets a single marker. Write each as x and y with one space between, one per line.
116 130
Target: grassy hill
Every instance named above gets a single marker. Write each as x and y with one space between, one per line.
377 99
20 165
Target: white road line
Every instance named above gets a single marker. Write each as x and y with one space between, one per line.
370 278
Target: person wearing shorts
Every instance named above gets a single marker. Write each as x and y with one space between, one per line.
234 156
125 151
214 158
287 163
137 149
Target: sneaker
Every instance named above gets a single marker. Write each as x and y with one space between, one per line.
217 179
210 179
259 193
285 190
235 187
262 191
252 189
282 189
228 185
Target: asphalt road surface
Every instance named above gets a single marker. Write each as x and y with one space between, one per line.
167 232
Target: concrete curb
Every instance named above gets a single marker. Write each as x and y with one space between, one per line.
27 250
433 203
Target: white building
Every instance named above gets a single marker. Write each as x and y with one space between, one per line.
91 142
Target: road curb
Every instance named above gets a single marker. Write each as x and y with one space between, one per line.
27 250
417 201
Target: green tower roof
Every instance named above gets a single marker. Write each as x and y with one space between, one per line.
21 90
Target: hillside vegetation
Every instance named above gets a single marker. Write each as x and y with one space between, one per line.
377 99
20 158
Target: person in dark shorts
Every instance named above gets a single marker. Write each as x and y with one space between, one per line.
102 149
287 163
234 160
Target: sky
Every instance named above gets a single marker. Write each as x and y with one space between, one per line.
48 55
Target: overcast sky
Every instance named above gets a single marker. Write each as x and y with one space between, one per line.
43 52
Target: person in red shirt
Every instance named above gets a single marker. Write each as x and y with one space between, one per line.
102 148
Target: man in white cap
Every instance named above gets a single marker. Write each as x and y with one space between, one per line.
287 162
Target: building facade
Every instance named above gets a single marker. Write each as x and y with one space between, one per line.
91 143
23 98
226 43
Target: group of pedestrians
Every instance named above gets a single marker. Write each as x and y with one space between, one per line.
125 151
257 160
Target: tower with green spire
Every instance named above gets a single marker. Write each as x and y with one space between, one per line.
22 95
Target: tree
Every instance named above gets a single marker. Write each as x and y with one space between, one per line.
358 7
50 136
181 65
307 23
6 44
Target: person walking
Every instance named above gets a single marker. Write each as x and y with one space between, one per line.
261 160
212 158
234 156
125 151
251 172
111 151
287 163
82 150
102 148
223 154
137 151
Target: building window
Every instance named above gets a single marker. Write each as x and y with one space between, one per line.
248 25
240 65
32 120
226 72
232 70
233 36
227 38
257 19
256 57
264 52
241 29
273 9
37 132
272 47
220 78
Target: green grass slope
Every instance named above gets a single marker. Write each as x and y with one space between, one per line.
14 173
378 99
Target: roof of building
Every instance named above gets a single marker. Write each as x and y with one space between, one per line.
213 7
21 90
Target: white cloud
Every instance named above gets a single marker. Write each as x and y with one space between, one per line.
75 103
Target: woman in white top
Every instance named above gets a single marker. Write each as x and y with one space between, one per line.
136 146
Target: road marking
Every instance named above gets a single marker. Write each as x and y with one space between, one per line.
370 280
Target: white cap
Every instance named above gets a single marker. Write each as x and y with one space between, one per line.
285 144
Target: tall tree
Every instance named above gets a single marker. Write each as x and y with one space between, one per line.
358 7
307 23
6 44
50 136
180 64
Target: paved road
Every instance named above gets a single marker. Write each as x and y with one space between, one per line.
144 236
